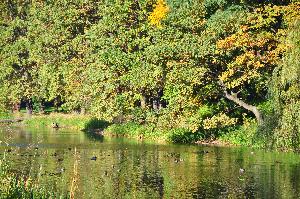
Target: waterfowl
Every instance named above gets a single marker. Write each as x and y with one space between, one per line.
94 158
242 170
55 125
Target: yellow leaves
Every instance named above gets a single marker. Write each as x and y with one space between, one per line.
214 61
160 11
264 17
292 13
202 22
255 47
243 59
227 74
227 42
244 28
242 70
258 64
219 121
235 40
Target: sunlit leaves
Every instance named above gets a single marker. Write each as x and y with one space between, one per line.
219 121
159 13
253 48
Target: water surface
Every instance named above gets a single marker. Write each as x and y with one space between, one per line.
127 168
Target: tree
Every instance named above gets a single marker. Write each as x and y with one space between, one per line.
249 56
18 69
284 119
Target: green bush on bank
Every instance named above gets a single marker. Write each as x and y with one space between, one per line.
240 136
247 134
150 132
182 135
134 130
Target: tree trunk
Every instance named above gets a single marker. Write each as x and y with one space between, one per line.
82 111
42 107
155 104
233 97
157 101
161 103
16 107
143 101
29 107
56 102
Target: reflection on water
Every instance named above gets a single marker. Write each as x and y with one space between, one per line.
121 168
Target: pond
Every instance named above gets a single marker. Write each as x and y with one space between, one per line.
124 168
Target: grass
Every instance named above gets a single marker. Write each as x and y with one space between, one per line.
237 136
6 115
129 129
242 135
70 121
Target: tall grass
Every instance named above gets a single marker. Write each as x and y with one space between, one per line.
20 186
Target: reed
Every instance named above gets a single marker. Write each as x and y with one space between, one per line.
75 178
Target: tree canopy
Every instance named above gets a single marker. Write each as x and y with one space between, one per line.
201 65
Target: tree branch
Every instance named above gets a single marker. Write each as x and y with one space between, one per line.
233 97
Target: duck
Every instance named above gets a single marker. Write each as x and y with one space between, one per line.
55 125
242 170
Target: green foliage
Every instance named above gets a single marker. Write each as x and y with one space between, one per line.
149 132
94 124
212 6
244 135
134 130
157 63
181 135
285 89
5 115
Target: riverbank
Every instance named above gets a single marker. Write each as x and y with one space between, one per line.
69 121
242 135
94 125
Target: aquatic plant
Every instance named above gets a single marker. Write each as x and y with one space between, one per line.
14 185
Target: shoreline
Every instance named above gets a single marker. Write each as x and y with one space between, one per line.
88 123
